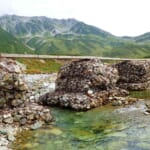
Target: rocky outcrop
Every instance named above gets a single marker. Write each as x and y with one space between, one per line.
13 88
25 116
133 75
14 97
16 110
83 85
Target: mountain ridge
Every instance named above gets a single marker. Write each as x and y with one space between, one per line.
72 37
10 44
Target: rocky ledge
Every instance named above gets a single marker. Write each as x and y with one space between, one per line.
88 83
16 109
84 84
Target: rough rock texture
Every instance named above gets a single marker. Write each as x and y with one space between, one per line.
84 84
25 116
16 110
14 97
134 75
12 86
84 75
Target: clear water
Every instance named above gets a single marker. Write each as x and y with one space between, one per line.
97 129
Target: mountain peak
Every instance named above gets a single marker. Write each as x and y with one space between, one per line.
21 25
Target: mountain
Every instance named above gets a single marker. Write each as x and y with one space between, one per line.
10 44
22 26
72 37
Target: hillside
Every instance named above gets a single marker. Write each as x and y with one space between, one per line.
72 37
10 44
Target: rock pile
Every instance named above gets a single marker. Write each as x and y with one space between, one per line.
84 84
134 75
13 88
25 116
84 75
14 98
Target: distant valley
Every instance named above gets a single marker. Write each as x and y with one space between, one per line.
42 35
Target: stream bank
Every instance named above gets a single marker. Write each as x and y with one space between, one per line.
103 128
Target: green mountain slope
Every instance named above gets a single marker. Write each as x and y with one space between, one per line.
10 44
72 37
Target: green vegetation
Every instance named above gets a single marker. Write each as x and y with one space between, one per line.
67 37
88 45
40 65
10 44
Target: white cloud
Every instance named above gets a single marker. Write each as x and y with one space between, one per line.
120 17
6 7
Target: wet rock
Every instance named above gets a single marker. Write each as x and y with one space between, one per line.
36 125
11 137
133 75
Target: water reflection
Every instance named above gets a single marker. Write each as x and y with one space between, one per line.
97 129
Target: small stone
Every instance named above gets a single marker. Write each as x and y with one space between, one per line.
3 141
146 113
36 125
6 116
30 117
89 92
11 137
8 120
23 121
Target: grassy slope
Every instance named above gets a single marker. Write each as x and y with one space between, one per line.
40 65
72 45
89 45
10 44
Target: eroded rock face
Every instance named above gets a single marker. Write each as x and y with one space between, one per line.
84 84
15 105
84 75
25 116
134 75
12 85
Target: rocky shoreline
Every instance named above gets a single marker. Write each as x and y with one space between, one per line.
38 84
89 83
18 107
80 85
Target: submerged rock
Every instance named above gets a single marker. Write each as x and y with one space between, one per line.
84 84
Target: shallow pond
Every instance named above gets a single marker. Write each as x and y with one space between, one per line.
97 129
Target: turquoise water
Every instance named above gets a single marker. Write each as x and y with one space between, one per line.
97 129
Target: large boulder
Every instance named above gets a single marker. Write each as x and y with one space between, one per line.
84 75
133 75
84 84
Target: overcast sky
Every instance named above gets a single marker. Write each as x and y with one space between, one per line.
120 17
